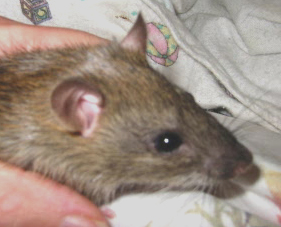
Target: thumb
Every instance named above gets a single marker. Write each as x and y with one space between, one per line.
28 199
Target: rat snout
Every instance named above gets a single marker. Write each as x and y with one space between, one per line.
244 160
230 164
224 170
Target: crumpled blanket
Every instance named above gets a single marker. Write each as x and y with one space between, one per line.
228 55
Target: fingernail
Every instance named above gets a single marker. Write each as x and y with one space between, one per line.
77 221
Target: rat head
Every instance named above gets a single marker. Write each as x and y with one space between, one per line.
135 131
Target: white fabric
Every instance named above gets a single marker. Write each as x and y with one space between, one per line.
230 56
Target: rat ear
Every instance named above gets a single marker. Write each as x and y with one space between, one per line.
135 40
78 105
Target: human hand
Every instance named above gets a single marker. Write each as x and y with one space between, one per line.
28 199
15 36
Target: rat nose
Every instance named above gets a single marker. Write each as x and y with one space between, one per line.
229 164
225 170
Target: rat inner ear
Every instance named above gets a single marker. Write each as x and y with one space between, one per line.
78 105
136 38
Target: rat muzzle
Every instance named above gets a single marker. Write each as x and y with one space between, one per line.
229 164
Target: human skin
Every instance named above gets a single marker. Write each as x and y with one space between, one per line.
28 199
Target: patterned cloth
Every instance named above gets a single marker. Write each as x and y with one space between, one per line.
228 55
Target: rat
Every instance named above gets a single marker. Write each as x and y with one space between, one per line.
100 120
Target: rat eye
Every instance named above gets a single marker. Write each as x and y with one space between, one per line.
167 142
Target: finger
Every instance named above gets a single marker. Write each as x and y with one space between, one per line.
6 21
27 199
15 36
